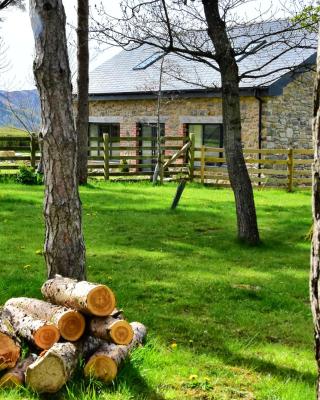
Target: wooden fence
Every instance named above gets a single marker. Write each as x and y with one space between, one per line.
135 157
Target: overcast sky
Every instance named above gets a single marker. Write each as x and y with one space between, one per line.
17 33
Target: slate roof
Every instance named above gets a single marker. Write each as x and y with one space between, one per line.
118 76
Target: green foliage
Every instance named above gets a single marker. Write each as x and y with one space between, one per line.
124 166
225 321
28 176
309 18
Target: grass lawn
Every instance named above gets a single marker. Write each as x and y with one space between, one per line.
225 321
11 131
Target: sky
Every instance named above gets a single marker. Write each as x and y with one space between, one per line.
15 29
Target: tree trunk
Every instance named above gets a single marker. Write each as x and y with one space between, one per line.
41 333
90 298
16 376
315 249
70 323
83 88
64 246
9 343
237 170
104 363
115 330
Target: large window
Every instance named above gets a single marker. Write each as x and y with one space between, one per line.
210 135
97 131
148 135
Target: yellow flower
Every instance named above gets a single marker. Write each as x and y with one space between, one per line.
174 345
193 377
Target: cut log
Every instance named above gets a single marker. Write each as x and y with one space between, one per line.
41 333
70 323
55 366
9 343
104 363
52 370
16 376
90 298
116 330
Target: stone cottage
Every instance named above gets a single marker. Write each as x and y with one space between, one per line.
123 99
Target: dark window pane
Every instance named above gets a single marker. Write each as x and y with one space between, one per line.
212 135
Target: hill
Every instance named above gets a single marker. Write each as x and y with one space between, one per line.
20 109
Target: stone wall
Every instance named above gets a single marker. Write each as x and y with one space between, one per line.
175 113
287 119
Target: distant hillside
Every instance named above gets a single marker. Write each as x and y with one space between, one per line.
20 109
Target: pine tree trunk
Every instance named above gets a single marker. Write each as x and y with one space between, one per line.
83 87
237 170
315 249
71 323
64 246
90 298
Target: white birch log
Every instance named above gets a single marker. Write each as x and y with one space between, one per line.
16 376
104 363
87 297
70 323
9 343
115 330
55 367
41 333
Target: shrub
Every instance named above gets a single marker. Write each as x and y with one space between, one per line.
28 176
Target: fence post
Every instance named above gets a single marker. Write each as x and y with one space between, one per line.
202 163
106 146
191 158
290 169
33 152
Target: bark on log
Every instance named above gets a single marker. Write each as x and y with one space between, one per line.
115 330
16 376
70 323
90 298
9 343
41 333
104 363
55 367
64 244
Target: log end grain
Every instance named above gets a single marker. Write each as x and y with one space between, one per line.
46 336
101 367
101 301
9 352
72 325
10 381
46 375
121 332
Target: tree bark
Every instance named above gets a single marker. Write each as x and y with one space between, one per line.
90 298
64 246
39 332
83 88
104 363
315 247
70 323
237 170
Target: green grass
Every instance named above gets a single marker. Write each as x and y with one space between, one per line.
225 321
11 131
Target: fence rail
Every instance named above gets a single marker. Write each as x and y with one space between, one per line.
131 157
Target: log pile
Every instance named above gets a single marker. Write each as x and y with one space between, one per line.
76 320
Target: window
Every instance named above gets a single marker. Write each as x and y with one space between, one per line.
97 131
148 139
149 61
251 48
